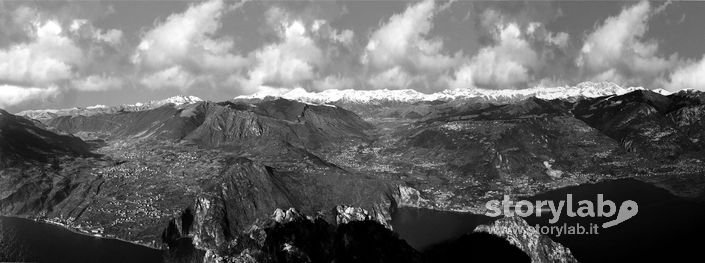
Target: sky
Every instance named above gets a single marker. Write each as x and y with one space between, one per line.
61 54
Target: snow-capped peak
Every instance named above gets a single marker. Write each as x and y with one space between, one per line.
584 89
335 95
662 92
98 106
176 100
91 110
180 100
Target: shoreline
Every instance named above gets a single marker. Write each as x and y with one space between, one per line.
77 231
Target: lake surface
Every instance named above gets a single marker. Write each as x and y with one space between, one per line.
30 241
666 228
422 227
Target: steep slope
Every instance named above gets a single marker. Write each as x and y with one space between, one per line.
242 193
642 121
22 140
291 236
43 115
167 122
218 124
540 248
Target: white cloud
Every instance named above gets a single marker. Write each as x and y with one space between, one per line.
559 39
49 56
188 39
690 76
537 31
85 29
292 60
97 83
111 36
345 36
402 46
173 77
334 82
507 64
321 28
11 95
77 24
617 49
24 16
391 78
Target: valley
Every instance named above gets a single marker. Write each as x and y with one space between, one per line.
216 173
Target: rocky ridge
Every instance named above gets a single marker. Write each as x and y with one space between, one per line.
540 248
47 114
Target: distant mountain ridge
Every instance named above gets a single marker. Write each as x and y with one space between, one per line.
23 141
584 89
369 97
217 124
98 109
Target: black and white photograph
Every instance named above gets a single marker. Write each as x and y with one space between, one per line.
352 131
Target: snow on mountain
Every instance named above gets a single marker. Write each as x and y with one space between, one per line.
97 109
584 89
662 92
176 100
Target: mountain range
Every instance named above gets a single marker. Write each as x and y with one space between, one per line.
584 89
212 173
367 97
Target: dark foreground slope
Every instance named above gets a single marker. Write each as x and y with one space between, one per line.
289 236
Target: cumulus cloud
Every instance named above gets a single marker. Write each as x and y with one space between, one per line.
173 77
402 47
83 28
334 82
49 56
689 76
97 83
11 95
321 28
506 64
295 58
392 77
617 50
189 40
536 31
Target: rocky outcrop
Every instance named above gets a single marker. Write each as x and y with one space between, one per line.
290 236
242 194
540 248
345 214
408 196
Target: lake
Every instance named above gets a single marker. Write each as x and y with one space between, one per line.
666 227
422 227
30 241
